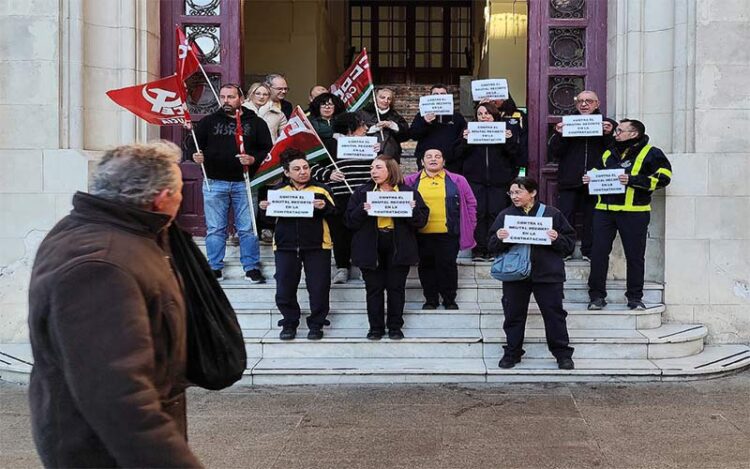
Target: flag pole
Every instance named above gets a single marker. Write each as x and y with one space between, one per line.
197 148
218 101
335 166
246 173
377 113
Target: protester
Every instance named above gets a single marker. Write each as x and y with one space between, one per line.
224 166
323 109
385 123
258 100
107 321
449 228
302 241
314 92
545 282
646 170
515 120
437 132
385 247
489 170
575 156
342 177
279 88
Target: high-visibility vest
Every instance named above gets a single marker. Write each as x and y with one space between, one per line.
628 206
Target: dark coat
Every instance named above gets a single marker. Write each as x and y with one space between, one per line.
390 141
547 264
574 156
107 327
365 228
491 165
439 134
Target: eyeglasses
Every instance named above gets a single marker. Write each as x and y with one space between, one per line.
327 105
260 93
586 101
278 88
512 193
621 131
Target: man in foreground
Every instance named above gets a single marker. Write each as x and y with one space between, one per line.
107 322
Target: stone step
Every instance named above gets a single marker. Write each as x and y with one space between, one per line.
469 292
614 317
667 341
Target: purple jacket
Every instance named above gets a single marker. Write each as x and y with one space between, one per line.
468 206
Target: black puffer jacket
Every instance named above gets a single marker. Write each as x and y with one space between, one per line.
491 165
574 156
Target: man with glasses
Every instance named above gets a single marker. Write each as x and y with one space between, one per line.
575 156
646 169
279 88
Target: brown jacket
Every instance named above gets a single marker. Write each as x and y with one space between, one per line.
108 333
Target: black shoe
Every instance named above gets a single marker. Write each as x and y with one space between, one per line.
450 305
218 275
374 335
395 334
478 255
636 305
254 276
597 304
429 306
288 333
508 361
315 333
565 363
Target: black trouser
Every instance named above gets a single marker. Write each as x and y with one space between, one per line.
572 201
386 277
491 201
317 264
340 234
264 222
438 272
633 228
549 297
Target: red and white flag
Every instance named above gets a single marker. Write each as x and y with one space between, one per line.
160 102
187 56
297 133
355 85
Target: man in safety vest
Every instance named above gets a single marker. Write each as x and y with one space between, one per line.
646 169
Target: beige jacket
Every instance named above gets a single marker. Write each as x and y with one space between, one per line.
271 114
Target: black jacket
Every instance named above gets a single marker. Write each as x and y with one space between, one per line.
518 123
440 134
365 228
492 165
652 172
287 108
574 156
390 142
215 135
296 233
547 264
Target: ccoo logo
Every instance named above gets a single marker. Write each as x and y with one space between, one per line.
162 101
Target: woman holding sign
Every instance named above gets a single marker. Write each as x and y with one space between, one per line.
489 168
301 240
386 123
546 278
384 247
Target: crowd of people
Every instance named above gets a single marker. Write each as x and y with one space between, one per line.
462 193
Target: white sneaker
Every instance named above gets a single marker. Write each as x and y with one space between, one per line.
341 276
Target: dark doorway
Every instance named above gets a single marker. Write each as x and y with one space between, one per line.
413 41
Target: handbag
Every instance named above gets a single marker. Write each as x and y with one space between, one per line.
514 264
216 356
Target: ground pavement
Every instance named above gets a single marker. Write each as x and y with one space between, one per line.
694 424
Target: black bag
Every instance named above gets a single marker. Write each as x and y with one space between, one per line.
216 356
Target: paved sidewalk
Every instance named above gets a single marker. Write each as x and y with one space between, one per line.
698 424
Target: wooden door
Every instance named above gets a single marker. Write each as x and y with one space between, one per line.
567 54
214 25
415 41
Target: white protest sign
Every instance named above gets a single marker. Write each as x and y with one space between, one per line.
356 148
439 104
493 88
605 181
527 230
290 204
589 125
486 133
390 204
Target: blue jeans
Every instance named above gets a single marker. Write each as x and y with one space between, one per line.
216 206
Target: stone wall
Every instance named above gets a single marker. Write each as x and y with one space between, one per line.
57 58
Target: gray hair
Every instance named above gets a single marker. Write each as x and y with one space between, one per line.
135 174
272 76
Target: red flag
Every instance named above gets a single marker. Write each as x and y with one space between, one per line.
355 85
160 102
238 135
187 56
297 133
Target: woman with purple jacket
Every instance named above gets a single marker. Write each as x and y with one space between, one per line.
450 228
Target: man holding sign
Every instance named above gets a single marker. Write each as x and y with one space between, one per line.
644 169
437 131
301 239
549 246
577 146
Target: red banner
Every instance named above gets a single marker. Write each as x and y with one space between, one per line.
187 56
355 85
160 102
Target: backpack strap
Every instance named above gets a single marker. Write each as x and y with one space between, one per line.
540 212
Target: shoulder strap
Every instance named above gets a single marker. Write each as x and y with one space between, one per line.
540 212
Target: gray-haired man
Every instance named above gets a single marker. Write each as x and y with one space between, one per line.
107 322
279 89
